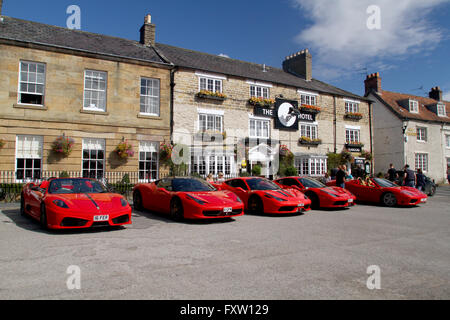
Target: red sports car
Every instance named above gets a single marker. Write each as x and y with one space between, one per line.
67 203
264 196
320 195
187 198
383 191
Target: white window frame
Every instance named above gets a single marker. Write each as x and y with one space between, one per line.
147 97
311 130
145 147
308 98
32 83
422 134
421 161
311 166
35 139
441 110
215 117
351 106
217 162
259 91
413 106
99 91
447 141
352 135
214 79
263 122
102 143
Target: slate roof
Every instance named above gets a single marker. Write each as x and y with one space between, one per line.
393 99
59 37
217 64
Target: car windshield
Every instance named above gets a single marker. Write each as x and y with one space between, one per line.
384 183
262 184
191 185
71 186
311 183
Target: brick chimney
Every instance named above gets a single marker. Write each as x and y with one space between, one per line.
147 31
373 82
299 64
436 94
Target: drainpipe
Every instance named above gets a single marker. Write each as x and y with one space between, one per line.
371 138
335 123
172 86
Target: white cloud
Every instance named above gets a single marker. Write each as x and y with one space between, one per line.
341 41
446 96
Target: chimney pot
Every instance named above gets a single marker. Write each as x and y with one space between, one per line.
436 94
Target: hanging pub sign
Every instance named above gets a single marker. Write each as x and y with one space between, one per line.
353 148
286 114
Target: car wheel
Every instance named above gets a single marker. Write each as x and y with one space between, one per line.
22 205
43 218
255 205
137 201
389 199
315 202
432 191
176 209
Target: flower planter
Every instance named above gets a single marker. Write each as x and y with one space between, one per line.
353 116
310 109
260 102
309 142
211 95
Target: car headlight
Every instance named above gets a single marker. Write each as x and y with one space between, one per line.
267 195
60 204
195 199
123 202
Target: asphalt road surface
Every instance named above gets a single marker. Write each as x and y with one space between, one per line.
319 255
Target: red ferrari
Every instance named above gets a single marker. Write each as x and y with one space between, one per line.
67 203
320 195
263 196
383 191
187 198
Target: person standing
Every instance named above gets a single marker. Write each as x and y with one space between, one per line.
392 173
409 177
420 178
340 177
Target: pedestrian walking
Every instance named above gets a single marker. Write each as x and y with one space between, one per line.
409 177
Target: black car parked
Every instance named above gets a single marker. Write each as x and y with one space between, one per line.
430 186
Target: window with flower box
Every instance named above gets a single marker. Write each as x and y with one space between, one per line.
308 99
210 84
309 130
351 106
352 136
259 92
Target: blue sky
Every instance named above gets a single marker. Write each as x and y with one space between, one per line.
411 49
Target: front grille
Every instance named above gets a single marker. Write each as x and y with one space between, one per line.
340 203
287 208
217 213
73 222
100 224
122 219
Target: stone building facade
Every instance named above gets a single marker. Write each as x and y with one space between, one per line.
225 112
95 90
409 129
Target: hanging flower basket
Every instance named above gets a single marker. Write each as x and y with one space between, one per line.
165 152
346 156
261 102
367 155
63 145
124 150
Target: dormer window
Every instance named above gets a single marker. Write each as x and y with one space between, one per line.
413 106
441 112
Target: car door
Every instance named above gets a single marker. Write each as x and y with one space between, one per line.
163 195
35 195
234 186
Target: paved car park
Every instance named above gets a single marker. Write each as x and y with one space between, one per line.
323 254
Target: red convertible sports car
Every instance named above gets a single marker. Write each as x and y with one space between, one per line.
264 196
67 203
384 191
321 196
187 198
